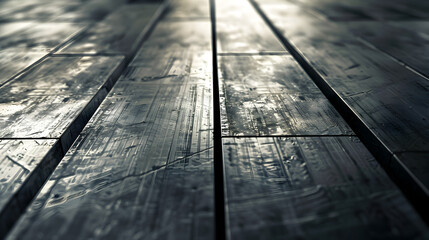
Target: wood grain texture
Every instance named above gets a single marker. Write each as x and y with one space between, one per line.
352 10
142 167
272 95
237 36
169 36
170 67
89 11
119 33
312 188
388 101
12 63
36 10
39 37
188 10
48 99
408 44
23 169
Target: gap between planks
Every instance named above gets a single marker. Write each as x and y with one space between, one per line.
219 191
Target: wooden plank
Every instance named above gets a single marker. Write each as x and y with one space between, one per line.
50 100
383 99
170 67
90 11
407 44
7 29
12 63
312 188
23 167
37 11
237 36
169 36
119 33
188 10
40 37
141 168
272 95
363 10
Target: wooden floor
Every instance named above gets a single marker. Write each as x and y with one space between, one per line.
214 119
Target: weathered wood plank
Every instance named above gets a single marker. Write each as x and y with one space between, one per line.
141 168
409 45
23 167
37 11
312 188
352 10
40 37
119 33
188 10
169 36
272 95
386 102
237 36
12 63
176 66
90 11
49 100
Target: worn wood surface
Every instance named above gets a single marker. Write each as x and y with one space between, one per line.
89 11
12 63
43 105
408 43
272 95
237 36
387 101
170 35
119 33
21 174
353 10
188 10
142 167
312 188
39 37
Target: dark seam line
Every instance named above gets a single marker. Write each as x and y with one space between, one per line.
220 232
412 188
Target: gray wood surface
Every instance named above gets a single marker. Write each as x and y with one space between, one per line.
408 43
13 63
39 37
272 95
170 35
47 100
237 36
119 33
312 188
142 167
387 101
188 10
23 169
354 10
